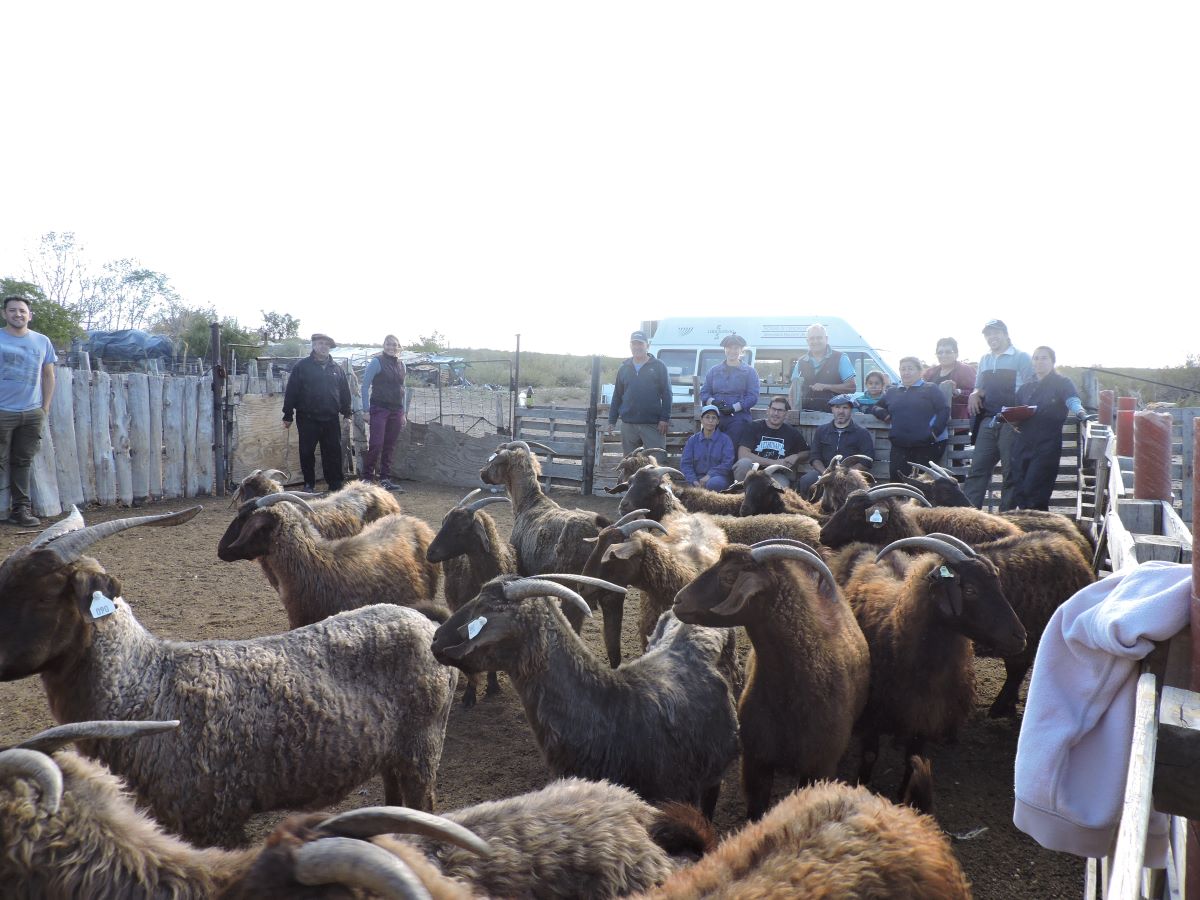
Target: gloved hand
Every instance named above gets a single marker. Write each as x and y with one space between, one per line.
724 408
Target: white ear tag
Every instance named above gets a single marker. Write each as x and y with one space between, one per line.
475 626
945 572
490 458
101 606
876 518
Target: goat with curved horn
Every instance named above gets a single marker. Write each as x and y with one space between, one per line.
38 766
539 587
884 491
765 551
353 863
372 821
283 497
628 528
486 501
632 515
70 545
926 542
58 737
954 542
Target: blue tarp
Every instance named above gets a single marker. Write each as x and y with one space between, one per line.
128 344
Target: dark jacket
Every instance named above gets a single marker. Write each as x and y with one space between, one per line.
1050 396
919 414
316 391
384 376
641 397
828 372
828 442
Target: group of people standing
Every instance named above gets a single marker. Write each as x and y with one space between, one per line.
1016 404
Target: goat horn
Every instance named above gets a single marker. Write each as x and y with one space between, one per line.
920 468
463 501
618 488
486 501
354 863
538 587
835 462
734 488
370 821
71 522
817 491
38 766
56 738
925 542
630 516
629 528
858 458
762 554
778 467
305 495
70 547
541 447
283 497
585 579
272 472
520 445
884 491
946 473
667 470
954 542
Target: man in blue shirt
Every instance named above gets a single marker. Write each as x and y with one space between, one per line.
840 437
1001 374
826 372
26 387
642 400
732 387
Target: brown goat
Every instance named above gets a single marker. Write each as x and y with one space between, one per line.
920 629
807 678
882 515
764 495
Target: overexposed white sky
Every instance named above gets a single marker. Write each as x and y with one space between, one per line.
566 170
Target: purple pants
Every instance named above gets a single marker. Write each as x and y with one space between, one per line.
385 431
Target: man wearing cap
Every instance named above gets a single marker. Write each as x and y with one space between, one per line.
1001 373
841 437
642 400
707 459
732 387
770 441
826 372
317 391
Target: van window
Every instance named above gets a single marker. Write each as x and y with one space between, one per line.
678 362
709 358
774 367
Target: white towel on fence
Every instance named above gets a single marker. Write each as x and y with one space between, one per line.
1073 752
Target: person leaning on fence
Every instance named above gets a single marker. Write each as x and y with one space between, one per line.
26 387
708 454
826 372
771 441
841 437
383 399
317 392
1001 374
642 400
732 387
917 412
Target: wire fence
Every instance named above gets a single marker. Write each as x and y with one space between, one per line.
472 410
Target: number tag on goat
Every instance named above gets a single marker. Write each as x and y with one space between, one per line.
101 606
876 517
475 626
945 572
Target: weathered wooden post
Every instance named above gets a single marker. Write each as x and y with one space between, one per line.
81 391
62 427
174 455
218 412
191 411
138 386
206 419
102 448
589 441
118 426
154 439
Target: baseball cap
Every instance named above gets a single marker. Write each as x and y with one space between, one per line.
733 339
639 336
841 400
997 324
709 407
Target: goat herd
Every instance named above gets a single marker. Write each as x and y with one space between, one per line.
864 607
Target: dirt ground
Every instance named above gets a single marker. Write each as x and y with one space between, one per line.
180 590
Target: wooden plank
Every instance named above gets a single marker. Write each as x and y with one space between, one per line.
43 478
1120 544
1141 516
262 442
81 391
1155 546
102 447
1129 856
1174 527
205 483
118 426
138 387
1177 761
1187 421
154 439
191 399
442 455
174 455
62 428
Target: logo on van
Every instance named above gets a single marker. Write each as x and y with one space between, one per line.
684 332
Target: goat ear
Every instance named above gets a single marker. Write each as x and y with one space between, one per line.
747 585
949 592
482 534
624 550
85 584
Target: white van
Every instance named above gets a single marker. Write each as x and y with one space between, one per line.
691 346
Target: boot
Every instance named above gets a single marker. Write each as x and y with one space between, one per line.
20 515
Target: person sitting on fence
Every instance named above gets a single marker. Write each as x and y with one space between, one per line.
876 383
26 388
708 454
842 437
383 399
317 391
1037 449
732 387
917 412
771 441
642 400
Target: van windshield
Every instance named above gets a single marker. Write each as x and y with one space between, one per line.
678 362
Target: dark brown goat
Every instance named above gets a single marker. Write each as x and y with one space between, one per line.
920 630
692 497
471 553
808 676
881 515
764 495
841 478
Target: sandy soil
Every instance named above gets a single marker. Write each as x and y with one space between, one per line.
179 589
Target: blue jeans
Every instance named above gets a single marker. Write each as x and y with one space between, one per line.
20 440
993 444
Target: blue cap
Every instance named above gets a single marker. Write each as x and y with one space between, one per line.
709 407
841 400
639 336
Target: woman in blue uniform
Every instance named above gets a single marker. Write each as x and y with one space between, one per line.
1037 449
732 387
